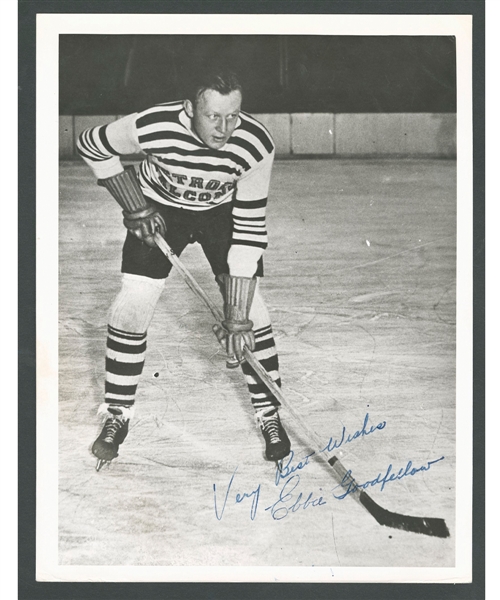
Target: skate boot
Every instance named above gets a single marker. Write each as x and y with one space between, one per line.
114 432
277 441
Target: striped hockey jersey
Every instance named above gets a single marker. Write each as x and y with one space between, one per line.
180 170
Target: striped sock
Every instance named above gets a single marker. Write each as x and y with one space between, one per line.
265 352
125 354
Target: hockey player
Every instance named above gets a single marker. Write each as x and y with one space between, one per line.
205 179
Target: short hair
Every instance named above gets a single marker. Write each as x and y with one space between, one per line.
221 80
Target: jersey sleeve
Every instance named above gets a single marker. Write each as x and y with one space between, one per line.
101 146
249 219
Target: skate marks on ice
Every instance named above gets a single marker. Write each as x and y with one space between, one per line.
362 331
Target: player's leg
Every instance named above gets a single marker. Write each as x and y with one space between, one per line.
129 319
264 402
215 235
145 270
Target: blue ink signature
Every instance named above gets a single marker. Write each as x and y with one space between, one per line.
349 485
255 495
287 468
279 510
334 444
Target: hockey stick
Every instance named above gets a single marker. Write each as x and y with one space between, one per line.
428 526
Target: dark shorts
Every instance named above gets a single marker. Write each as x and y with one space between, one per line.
212 229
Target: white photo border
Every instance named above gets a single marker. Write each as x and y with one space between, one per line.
49 27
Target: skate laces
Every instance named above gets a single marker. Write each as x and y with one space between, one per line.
112 427
269 424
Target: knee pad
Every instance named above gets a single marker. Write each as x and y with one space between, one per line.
135 304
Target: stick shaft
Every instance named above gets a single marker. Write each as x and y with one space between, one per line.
313 438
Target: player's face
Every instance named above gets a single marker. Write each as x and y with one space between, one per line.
214 116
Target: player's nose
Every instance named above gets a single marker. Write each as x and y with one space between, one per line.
222 126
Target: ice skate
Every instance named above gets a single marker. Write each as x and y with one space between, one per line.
114 432
275 436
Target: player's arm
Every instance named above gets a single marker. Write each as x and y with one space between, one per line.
101 148
249 219
248 244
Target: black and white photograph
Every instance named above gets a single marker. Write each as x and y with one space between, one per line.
255 360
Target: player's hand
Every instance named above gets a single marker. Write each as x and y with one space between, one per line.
238 335
221 334
231 341
144 224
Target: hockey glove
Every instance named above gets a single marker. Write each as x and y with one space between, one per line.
238 293
144 224
142 219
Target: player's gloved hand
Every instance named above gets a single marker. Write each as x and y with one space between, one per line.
221 334
238 293
238 335
140 217
144 223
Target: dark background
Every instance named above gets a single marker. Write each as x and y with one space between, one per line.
29 588
120 74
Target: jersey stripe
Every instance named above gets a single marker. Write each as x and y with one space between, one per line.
169 116
154 136
245 204
104 141
89 147
258 130
248 147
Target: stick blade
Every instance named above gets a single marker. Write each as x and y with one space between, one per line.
427 526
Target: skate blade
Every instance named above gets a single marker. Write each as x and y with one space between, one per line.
279 465
100 464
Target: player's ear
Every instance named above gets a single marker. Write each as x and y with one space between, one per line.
188 107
